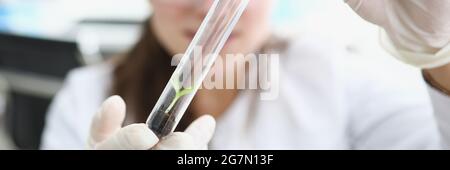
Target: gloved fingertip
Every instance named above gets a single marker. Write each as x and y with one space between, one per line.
108 119
202 129
177 141
139 137
206 124
355 4
114 104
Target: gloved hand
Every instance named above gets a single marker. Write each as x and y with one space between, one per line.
107 132
416 31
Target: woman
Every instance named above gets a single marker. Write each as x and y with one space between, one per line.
322 104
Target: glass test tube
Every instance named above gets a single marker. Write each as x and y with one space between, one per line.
179 92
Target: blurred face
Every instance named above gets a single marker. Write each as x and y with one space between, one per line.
176 22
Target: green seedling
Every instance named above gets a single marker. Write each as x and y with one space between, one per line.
180 91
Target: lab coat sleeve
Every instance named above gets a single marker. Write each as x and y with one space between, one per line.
392 111
440 101
388 103
441 106
61 131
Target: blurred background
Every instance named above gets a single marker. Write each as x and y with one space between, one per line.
41 40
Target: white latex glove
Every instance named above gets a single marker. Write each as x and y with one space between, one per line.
107 132
415 31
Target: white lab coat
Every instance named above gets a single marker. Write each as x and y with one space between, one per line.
330 98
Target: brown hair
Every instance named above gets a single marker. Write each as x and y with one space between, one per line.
141 75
